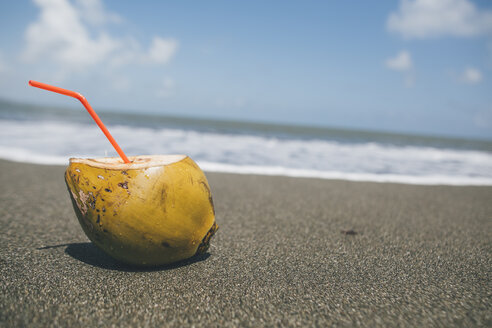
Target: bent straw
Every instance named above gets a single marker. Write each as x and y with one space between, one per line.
89 109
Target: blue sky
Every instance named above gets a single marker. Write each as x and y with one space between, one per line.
413 66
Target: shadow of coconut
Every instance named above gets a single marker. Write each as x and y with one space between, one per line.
88 253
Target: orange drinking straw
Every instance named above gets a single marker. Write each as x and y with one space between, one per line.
89 109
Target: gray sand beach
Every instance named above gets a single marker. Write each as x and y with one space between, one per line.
289 252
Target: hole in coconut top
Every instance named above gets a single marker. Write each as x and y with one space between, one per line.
137 162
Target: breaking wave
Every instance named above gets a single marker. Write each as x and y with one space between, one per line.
53 142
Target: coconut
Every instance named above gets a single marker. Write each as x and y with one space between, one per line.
156 210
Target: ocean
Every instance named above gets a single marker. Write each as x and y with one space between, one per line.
49 135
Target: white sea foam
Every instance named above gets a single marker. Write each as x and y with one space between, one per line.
303 173
49 142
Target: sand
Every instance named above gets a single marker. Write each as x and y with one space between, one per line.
289 252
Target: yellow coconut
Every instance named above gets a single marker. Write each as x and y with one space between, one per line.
153 211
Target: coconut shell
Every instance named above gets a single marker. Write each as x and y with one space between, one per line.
153 211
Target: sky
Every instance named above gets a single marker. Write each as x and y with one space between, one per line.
409 66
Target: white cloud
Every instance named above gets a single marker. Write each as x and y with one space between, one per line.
471 75
61 37
93 12
162 50
402 62
436 18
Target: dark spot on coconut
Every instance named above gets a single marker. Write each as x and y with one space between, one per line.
97 210
163 194
92 201
204 184
98 221
108 190
211 203
165 244
123 185
124 173
102 199
104 209
93 187
205 244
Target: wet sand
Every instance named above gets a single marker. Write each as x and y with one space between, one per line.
289 252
